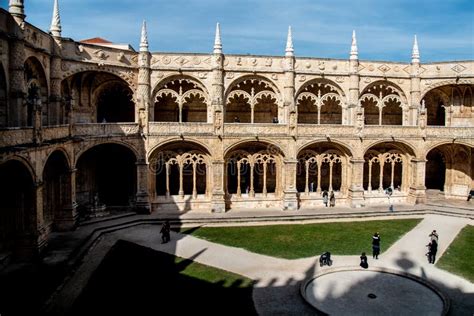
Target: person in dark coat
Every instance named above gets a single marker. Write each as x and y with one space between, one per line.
325 198
332 199
433 249
363 261
376 245
165 232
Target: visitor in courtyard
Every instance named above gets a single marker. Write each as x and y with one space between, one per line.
375 245
236 119
363 261
434 235
325 198
311 187
275 119
165 232
432 250
332 199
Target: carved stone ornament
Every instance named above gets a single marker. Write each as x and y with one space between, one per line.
384 68
371 67
101 54
458 68
268 62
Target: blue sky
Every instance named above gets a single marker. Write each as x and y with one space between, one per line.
385 29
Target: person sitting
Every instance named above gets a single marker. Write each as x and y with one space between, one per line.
275 119
236 119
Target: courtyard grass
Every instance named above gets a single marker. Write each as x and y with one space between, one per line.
305 240
459 256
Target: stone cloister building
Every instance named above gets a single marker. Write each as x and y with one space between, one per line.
86 125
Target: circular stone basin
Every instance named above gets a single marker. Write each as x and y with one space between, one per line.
369 292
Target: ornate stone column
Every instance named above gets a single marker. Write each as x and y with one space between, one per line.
67 218
356 189
353 106
17 10
55 92
218 201
142 203
18 111
289 114
417 191
143 111
290 194
414 106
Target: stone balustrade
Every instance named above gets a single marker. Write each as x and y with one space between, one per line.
55 132
174 128
17 136
105 129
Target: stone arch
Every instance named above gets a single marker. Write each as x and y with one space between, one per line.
181 99
18 208
98 96
345 148
449 105
387 165
253 171
386 100
320 101
90 145
322 166
127 76
181 169
445 83
4 116
449 169
37 92
98 184
258 96
56 189
273 146
197 142
401 145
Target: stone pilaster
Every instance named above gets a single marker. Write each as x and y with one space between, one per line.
289 114
352 107
142 203
217 94
356 189
290 194
417 191
18 109
415 80
143 110
218 194
55 92
67 218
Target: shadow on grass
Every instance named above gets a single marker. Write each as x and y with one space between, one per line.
138 280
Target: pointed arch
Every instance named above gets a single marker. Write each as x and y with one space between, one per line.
37 91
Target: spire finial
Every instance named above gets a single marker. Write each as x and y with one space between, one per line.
289 51
144 38
415 54
55 28
354 51
217 40
17 8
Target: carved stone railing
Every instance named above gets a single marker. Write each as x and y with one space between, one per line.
55 132
175 128
260 129
330 130
105 129
16 136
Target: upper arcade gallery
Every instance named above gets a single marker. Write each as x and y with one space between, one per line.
92 123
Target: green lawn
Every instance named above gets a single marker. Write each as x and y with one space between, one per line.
301 241
459 257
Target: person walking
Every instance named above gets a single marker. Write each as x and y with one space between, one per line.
434 235
332 199
363 261
165 232
325 198
376 245
433 249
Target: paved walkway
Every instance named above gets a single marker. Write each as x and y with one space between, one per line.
278 280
